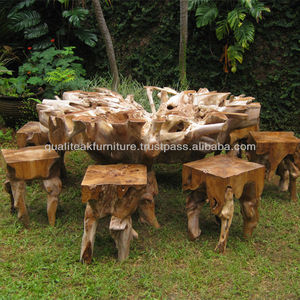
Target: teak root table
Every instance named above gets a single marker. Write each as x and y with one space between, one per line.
116 190
280 153
32 163
218 178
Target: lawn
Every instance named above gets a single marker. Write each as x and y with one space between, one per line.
43 262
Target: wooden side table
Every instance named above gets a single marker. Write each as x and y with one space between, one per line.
218 178
116 190
280 153
32 163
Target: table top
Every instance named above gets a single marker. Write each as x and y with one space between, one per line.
222 166
268 137
118 174
28 154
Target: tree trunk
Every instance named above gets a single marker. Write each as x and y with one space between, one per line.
108 44
183 41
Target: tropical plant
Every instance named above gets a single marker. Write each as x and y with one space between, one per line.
108 43
233 25
32 19
53 69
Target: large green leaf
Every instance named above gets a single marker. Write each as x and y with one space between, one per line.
75 16
19 6
235 17
206 13
86 36
195 3
24 19
257 9
222 29
244 34
35 32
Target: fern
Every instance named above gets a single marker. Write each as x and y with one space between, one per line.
244 34
24 19
205 14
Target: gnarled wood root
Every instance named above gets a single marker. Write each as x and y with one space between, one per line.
122 232
225 216
194 204
53 188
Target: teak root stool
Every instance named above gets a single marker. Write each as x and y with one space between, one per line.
32 134
27 164
280 153
218 178
116 190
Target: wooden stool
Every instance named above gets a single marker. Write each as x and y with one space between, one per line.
27 164
116 190
31 134
280 153
218 178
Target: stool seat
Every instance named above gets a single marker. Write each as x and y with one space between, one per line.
32 163
280 153
32 134
218 178
116 190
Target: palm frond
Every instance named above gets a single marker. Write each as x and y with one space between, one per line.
205 14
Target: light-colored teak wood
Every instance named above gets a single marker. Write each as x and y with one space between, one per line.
218 179
116 190
32 134
279 152
32 163
104 117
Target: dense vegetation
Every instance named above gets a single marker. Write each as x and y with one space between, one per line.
146 41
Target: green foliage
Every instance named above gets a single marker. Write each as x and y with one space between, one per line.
235 27
55 70
6 135
31 18
206 13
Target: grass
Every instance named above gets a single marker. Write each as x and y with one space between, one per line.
43 262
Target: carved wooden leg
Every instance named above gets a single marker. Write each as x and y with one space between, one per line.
7 188
122 232
284 174
249 209
226 216
88 239
194 204
294 174
53 188
18 191
63 171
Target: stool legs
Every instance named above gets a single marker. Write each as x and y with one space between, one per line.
123 233
88 239
249 209
53 189
226 216
194 204
18 192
